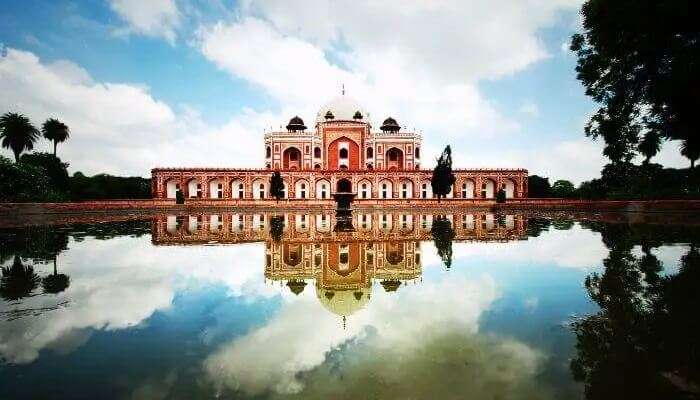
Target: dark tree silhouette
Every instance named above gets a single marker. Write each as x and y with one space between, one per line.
276 227
690 149
644 342
55 131
18 281
39 243
443 234
649 145
639 60
538 187
17 133
443 178
55 283
276 186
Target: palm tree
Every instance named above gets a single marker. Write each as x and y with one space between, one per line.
18 281
649 146
17 133
690 149
55 283
55 131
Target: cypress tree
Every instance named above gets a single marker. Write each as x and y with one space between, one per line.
443 178
276 186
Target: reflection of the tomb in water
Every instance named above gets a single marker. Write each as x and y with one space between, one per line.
366 226
341 263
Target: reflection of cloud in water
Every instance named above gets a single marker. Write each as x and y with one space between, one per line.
444 364
120 282
300 336
574 248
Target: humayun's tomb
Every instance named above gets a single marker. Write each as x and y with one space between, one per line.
342 153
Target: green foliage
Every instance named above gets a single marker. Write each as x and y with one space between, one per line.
538 187
443 178
647 181
639 60
56 171
179 197
276 186
17 133
20 182
501 196
103 186
563 189
55 131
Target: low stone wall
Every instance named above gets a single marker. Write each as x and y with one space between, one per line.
146 205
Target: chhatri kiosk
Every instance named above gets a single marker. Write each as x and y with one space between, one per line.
340 151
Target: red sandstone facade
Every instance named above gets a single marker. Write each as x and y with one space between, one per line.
341 151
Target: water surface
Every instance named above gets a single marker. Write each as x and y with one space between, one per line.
389 305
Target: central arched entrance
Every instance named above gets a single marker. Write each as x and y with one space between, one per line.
343 197
343 153
344 186
394 159
291 158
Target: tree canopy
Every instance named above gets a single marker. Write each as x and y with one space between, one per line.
55 131
276 185
563 188
538 187
17 133
639 60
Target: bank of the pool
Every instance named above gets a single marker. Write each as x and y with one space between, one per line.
151 205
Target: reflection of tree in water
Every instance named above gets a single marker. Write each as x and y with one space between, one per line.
55 283
443 234
644 343
535 226
18 281
276 227
563 224
41 244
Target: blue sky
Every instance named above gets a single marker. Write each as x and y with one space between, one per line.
196 82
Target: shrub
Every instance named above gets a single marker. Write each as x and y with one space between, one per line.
501 196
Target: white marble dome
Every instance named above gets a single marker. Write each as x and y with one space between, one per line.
343 108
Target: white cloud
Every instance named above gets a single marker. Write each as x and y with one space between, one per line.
419 62
291 347
552 248
120 128
155 18
118 283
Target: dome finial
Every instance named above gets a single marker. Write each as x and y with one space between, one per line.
342 90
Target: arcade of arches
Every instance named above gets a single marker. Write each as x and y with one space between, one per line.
254 184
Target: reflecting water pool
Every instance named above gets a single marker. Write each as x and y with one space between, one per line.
391 305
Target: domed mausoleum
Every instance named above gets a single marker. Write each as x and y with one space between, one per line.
341 147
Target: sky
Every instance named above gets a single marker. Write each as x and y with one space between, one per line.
189 83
